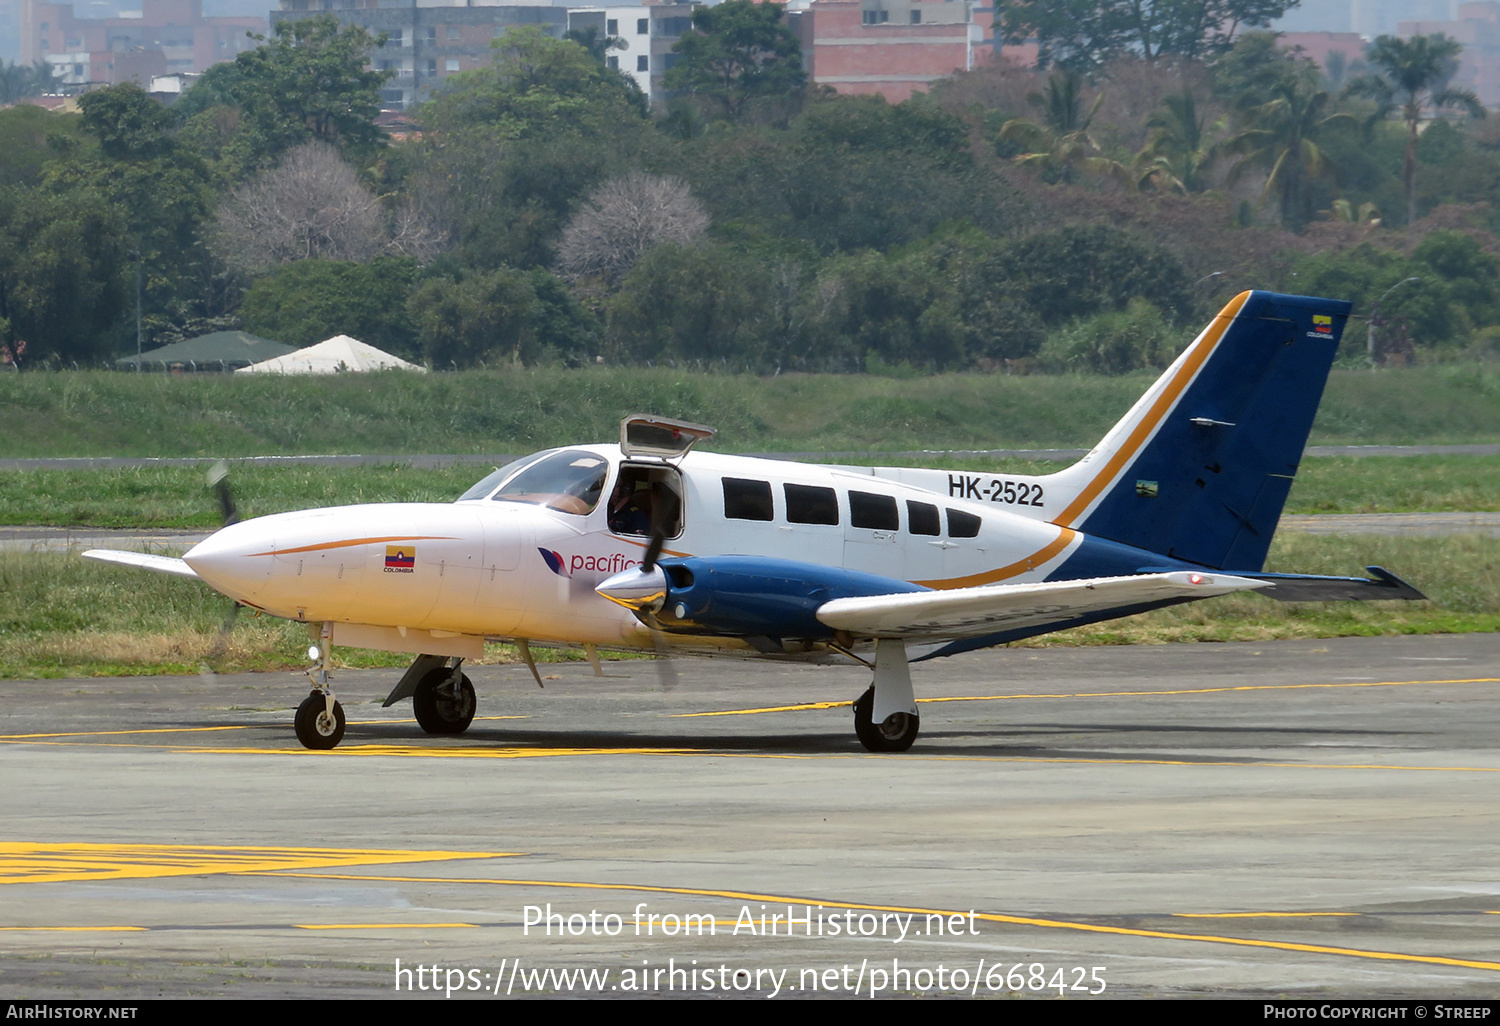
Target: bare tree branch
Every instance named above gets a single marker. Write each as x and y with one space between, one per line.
624 218
309 206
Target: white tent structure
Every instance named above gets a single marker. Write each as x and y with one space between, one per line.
332 356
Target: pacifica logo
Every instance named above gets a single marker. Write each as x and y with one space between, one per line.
566 566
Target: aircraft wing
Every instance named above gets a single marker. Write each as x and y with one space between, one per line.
161 564
975 612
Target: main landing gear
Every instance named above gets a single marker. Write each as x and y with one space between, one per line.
885 716
444 700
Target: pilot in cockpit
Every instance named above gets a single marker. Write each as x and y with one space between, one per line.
630 505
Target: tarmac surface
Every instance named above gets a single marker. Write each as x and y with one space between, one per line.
1295 819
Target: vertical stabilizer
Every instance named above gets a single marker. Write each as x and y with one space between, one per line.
1200 467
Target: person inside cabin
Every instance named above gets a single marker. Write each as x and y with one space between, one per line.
630 505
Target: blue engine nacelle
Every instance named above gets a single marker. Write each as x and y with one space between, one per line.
744 596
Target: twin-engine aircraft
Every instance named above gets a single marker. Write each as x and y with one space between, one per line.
648 545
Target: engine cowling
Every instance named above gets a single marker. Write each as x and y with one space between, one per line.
742 596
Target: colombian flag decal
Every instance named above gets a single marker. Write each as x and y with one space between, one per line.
1323 324
400 559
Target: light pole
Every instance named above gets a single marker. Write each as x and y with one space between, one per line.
1370 349
135 255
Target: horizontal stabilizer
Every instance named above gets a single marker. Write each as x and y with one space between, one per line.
160 564
1383 587
974 612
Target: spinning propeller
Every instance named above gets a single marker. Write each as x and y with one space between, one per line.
218 480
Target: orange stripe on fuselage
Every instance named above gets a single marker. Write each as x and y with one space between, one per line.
323 546
1063 540
1127 452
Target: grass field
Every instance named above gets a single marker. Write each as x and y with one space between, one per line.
176 496
100 413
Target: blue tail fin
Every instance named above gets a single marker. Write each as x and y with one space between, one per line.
1200 467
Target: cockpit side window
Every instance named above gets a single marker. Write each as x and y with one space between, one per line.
572 481
482 488
646 497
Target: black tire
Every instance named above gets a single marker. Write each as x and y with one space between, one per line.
314 727
439 709
896 734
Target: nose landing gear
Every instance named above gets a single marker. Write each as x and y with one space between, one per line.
320 719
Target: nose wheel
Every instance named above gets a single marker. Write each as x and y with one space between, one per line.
319 722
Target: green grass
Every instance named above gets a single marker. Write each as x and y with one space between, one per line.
100 413
176 496
63 617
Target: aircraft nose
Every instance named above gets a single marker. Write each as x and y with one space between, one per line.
235 561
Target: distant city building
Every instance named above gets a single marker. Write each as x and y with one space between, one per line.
1320 46
891 47
428 40
647 35
1477 27
160 38
1371 18
1317 16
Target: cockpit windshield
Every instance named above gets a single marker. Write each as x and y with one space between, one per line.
570 481
482 488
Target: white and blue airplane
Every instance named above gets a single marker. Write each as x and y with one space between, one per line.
648 545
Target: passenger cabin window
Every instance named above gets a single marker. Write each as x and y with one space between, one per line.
922 518
569 482
747 500
877 512
962 525
809 504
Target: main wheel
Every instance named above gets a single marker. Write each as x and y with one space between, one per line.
441 707
317 729
895 734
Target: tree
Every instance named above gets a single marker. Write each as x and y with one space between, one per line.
1411 75
63 272
308 81
1062 142
509 150
740 52
311 300
128 123
1283 138
536 87
596 43
1178 154
17 81
1085 34
310 206
502 314
160 188
622 219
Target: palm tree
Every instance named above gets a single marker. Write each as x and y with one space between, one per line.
1282 136
1412 76
17 81
1061 142
1176 155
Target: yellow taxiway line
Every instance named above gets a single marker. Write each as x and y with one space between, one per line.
1099 694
